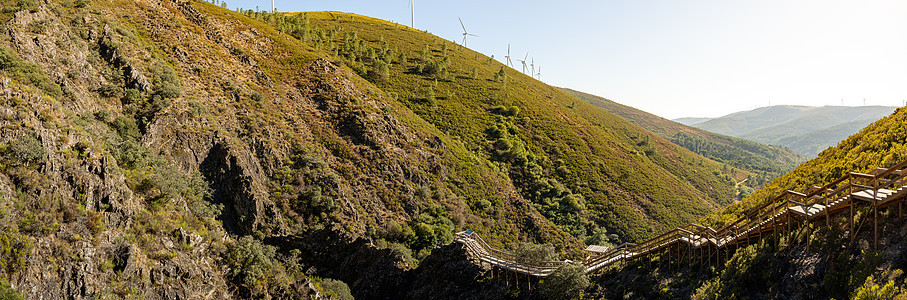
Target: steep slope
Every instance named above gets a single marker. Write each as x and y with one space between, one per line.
150 148
882 143
804 129
814 142
176 149
765 162
810 260
577 163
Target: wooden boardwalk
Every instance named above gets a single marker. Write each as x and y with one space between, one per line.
881 188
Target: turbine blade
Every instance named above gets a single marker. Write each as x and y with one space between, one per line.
461 24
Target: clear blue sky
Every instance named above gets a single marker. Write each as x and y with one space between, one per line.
679 58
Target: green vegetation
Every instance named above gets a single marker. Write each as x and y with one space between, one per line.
14 250
253 263
8 293
581 167
880 144
166 83
544 252
744 160
870 290
807 130
567 282
27 73
336 289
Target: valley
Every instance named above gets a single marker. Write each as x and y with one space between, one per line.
171 149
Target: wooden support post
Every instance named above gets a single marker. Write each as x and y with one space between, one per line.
774 228
827 213
850 206
691 255
788 228
875 225
875 218
900 211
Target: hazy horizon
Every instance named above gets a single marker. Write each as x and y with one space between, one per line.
673 59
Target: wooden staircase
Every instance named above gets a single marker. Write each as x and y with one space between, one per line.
881 188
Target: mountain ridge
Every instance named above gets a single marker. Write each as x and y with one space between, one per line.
805 129
764 162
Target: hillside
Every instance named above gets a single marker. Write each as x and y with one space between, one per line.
805 129
763 162
810 260
625 178
882 143
177 149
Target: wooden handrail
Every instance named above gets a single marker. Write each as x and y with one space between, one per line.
700 235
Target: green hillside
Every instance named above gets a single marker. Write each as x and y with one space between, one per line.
881 144
761 162
577 163
178 149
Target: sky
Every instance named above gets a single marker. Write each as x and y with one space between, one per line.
678 58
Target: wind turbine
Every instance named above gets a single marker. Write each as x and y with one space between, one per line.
539 74
465 33
532 74
412 12
523 61
509 63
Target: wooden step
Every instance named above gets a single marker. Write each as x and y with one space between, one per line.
808 211
867 195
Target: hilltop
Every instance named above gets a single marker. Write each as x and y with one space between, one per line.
762 162
177 149
805 129
625 178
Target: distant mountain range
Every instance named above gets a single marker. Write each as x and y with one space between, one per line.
764 161
805 129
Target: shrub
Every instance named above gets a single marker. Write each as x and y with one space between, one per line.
26 72
567 282
871 291
252 261
175 183
8 293
336 289
543 252
14 249
28 149
166 83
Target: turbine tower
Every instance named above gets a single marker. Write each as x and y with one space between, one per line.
532 74
412 12
539 74
523 61
272 6
509 63
465 33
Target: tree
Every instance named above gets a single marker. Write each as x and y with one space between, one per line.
382 72
336 289
252 261
166 83
567 282
543 252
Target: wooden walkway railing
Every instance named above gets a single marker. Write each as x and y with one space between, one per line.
881 188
